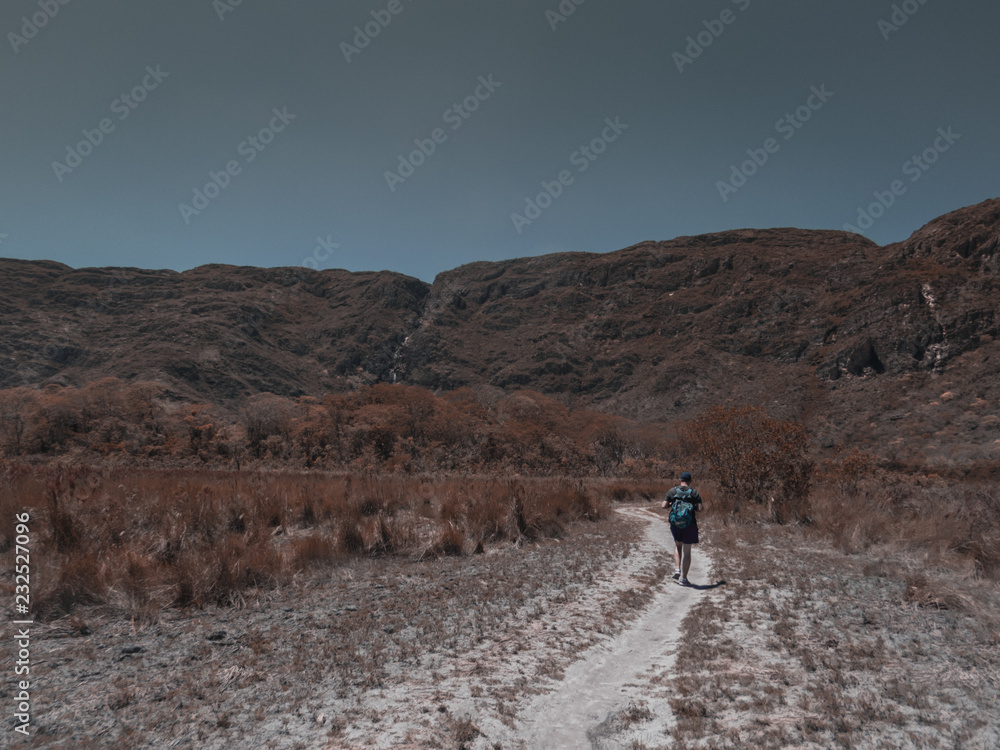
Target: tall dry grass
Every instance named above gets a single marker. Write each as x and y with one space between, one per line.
141 540
860 506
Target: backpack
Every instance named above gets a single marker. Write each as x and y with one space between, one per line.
682 510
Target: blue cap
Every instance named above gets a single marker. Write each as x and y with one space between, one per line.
685 476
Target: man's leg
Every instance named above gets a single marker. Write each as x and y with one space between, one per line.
685 559
677 555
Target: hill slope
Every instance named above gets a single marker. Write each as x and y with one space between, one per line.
859 340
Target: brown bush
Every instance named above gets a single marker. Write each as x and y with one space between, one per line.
14 405
313 549
266 416
450 541
754 459
66 581
944 522
488 513
382 427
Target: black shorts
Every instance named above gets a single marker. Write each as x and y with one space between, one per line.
687 535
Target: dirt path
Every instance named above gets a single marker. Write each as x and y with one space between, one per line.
590 707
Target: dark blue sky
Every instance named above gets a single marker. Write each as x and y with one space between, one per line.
814 104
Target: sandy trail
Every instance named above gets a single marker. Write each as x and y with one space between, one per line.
603 681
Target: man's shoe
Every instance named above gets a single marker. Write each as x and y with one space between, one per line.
684 582
676 575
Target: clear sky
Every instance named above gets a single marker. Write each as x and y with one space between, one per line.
409 135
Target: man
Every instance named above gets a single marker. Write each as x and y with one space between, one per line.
683 502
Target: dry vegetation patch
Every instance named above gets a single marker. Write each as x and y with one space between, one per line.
809 646
138 541
370 649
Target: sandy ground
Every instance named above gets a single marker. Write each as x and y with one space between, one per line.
592 705
537 646
573 643
812 646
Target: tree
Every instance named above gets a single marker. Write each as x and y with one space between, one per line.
755 459
14 405
55 419
263 416
201 427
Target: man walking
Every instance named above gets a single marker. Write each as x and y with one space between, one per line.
683 501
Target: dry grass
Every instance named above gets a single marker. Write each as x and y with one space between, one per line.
808 646
382 647
141 540
946 523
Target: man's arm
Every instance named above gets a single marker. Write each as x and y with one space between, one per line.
667 499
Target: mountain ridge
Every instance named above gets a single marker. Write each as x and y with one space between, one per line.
818 325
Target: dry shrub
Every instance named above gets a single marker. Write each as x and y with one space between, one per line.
65 582
262 565
925 592
134 584
488 513
754 458
376 535
978 516
368 520
372 495
59 495
352 539
384 427
379 537
139 540
584 504
453 508
943 521
464 732
221 574
185 581
450 541
848 472
620 493
511 509
635 713
137 575
311 550
540 514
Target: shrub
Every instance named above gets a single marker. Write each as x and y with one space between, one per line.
754 458
450 541
312 549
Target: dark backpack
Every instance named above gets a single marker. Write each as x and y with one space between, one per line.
682 510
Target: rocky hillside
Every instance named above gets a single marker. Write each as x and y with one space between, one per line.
889 346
